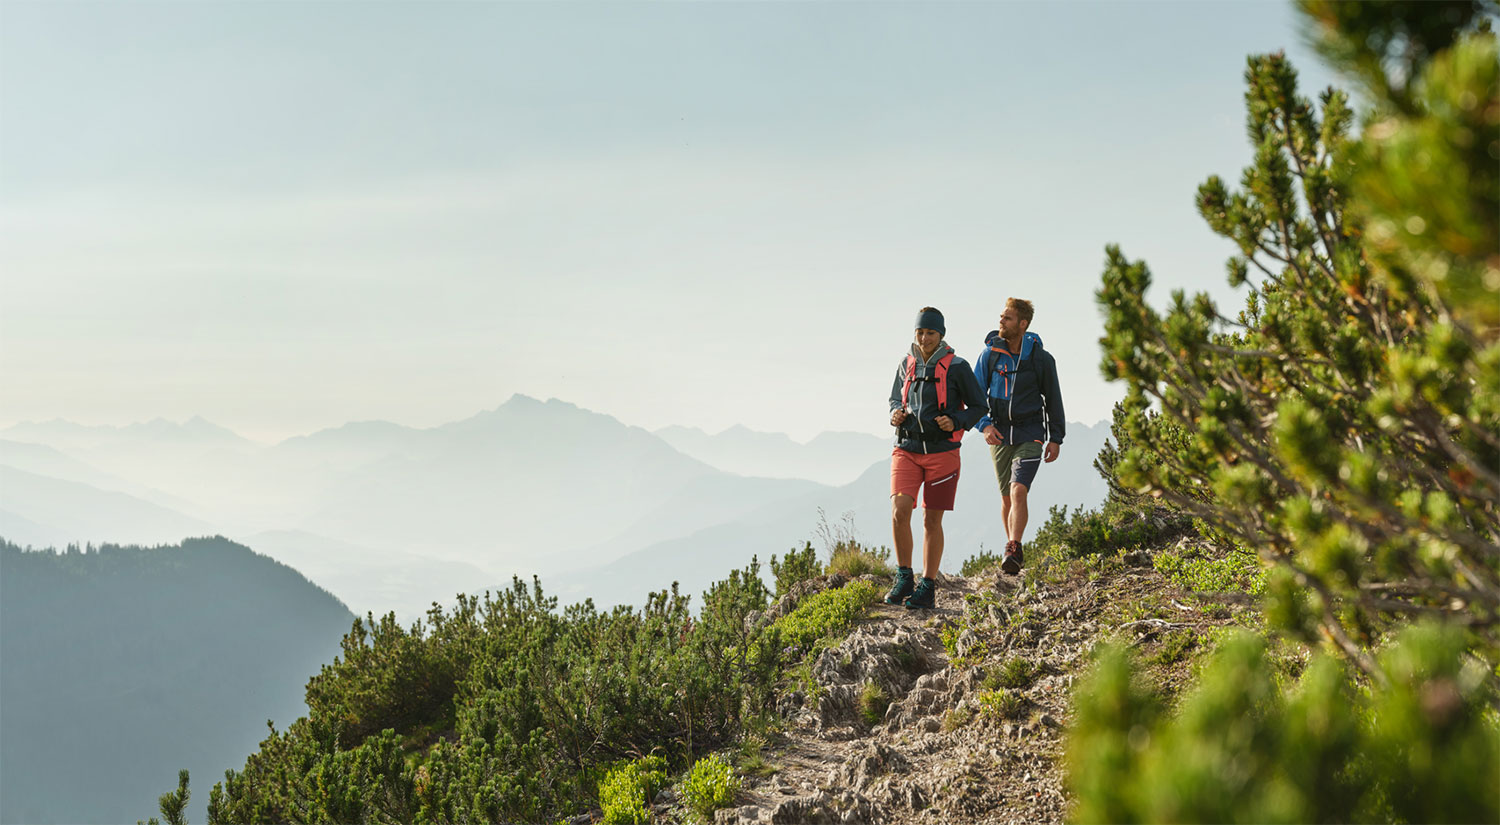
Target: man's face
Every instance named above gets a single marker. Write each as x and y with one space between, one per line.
1011 325
928 339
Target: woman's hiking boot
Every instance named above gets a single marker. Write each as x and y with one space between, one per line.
903 587
924 597
1013 558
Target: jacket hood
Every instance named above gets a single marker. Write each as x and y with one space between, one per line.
1029 341
937 354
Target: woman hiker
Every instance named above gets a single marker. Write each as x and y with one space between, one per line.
934 399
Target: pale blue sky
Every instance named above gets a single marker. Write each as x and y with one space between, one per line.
284 216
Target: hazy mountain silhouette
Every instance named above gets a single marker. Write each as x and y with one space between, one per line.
710 501
832 458
373 580
43 460
42 511
521 487
351 445
121 666
201 465
71 436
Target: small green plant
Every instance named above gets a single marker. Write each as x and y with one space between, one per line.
823 614
950 639
752 756
1118 525
629 787
979 562
955 718
1001 704
1174 648
846 554
172 804
873 702
1017 673
1238 570
799 566
710 785
854 560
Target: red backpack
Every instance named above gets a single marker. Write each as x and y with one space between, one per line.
940 376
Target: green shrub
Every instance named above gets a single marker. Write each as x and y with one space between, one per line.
854 560
1001 704
752 756
955 718
952 631
873 702
1114 527
979 562
1417 747
628 789
819 615
1017 673
1174 648
1237 570
710 785
1342 422
548 702
799 566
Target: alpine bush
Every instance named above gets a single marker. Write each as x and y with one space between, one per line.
980 562
799 566
822 614
1241 749
710 785
628 789
542 705
1236 570
1343 424
873 703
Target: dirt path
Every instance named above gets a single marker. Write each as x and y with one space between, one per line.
974 729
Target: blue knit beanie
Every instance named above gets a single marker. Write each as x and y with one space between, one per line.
931 319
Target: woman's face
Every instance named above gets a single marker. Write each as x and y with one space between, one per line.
927 340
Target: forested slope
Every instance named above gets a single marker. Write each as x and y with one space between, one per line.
123 664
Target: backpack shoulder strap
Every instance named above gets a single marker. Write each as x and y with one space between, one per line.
911 371
942 380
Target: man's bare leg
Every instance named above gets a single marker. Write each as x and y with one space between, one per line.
1015 521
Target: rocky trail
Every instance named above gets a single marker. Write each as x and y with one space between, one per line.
957 714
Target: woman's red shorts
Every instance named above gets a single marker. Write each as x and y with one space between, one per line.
936 474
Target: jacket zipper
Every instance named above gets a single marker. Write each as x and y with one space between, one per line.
1010 407
920 429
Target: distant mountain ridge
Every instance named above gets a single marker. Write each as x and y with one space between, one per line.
832 458
62 432
42 511
399 517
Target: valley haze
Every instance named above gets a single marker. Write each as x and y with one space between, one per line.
393 518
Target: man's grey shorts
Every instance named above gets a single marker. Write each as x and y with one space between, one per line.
1016 463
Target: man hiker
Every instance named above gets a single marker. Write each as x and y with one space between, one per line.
1025 410
934 399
